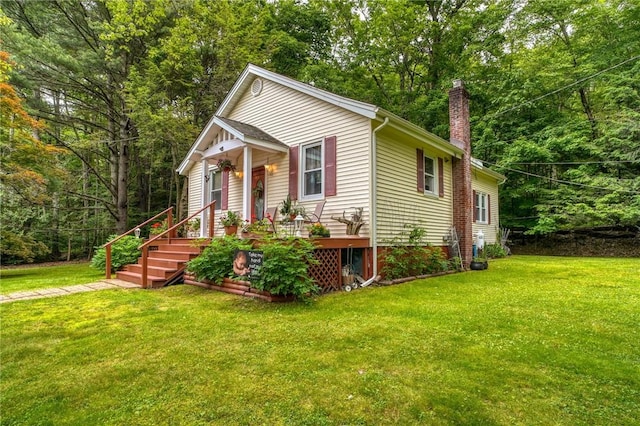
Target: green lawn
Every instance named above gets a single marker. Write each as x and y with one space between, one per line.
532 340
35 277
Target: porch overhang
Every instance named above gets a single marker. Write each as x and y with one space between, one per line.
243 135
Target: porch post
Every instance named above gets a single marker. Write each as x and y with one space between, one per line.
204 196
246 182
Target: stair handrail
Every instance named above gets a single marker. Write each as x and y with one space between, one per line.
171 231
108 244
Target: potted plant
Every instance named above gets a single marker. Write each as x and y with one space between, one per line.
226 165
285 210
230 220
318 230
290 209
258 228
193 227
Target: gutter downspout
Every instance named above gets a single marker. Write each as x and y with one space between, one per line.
374 203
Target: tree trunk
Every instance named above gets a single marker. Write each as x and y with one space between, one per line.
123 177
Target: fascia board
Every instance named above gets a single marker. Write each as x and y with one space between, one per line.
487 171
419 133
185 165
361 108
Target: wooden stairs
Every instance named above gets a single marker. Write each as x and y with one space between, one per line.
166 262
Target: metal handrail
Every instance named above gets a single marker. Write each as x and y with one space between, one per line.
145 247
108 244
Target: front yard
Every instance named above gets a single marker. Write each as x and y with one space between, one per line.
531 340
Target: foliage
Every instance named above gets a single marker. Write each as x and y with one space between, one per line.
261 226
318 230
125 86
159 227
216 261
29 164
225 164
285 267
123 252
285 207
494 251
194 224
411 256
458 341
289 209
15 248
230 218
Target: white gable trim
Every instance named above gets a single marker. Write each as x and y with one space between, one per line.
201 150
251 71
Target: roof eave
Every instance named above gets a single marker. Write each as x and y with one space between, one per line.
186 163
419 133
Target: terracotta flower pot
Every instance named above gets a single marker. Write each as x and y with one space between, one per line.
230 230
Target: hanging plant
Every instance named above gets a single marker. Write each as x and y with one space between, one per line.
226 165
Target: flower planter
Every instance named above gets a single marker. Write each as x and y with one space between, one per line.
230 230
477 265
240 288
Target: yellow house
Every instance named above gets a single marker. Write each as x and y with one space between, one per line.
285 137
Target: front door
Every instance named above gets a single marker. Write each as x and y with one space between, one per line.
257 194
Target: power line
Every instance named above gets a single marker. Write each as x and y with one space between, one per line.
565 182
582 80
577 163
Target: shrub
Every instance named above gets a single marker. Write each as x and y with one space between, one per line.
216 261
494 251
123 252
415 257
16 248
285 268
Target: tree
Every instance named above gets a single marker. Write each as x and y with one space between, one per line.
29 170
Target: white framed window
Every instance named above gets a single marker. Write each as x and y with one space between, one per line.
312 170
482 208
430 173
215 188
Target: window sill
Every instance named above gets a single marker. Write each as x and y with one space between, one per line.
431 195
312 198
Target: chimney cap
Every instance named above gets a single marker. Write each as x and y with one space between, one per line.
458 83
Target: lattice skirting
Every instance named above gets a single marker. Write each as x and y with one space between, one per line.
327 273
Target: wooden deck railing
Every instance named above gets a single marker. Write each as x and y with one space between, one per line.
171 231
107 246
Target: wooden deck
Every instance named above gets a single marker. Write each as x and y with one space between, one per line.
168 257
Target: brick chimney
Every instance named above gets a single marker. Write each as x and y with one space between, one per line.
460 136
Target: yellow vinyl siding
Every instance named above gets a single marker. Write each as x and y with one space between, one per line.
482 183
195 188
295 118
399 202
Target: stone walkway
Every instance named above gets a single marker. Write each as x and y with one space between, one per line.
63 291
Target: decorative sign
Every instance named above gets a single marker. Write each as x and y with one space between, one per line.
247 262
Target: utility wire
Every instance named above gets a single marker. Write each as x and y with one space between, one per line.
566 182
577 163
582 80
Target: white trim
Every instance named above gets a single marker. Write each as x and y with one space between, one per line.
484 207
246 182
199 147
361 108
433 175
301 168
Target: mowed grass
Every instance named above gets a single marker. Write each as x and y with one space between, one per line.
532 340
38 277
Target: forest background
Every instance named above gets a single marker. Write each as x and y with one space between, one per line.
100 100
